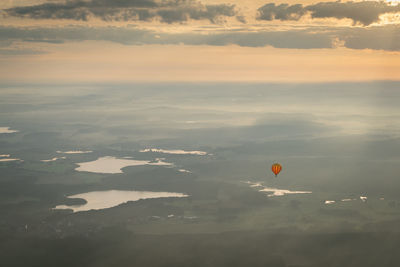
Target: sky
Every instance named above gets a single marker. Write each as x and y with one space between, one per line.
57 41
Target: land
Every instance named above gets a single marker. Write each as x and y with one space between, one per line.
224 222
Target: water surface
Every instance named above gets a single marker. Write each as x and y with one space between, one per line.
114 165
7 130
274 191
74 152
177 151
106 199
53 159
6 157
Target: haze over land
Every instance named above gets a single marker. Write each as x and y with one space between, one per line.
329 156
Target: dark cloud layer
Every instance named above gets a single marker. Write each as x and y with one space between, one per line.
365 12
131 36
378 38
168 11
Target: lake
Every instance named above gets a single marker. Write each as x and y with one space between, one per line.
106 199
110 164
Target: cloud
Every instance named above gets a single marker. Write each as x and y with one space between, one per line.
301 39
378 38
23 51
168 11
281 12
365 12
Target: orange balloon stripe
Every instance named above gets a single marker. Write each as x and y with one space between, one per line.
276 168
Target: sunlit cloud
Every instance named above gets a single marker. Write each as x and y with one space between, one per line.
364 13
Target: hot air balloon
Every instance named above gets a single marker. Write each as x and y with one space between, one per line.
276 168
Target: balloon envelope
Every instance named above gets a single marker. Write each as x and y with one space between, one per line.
276 168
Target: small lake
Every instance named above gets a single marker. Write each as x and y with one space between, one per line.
106 199
115 165
7 130
53 159
6 157
176 151
281 192
271 191
74 152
